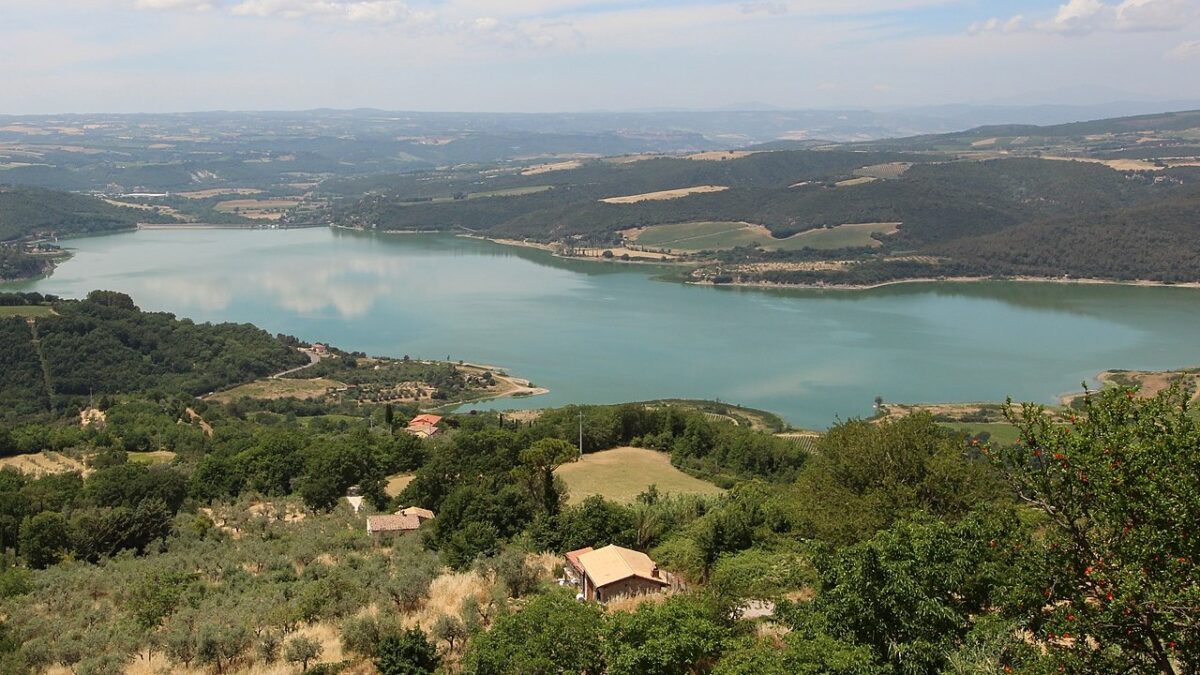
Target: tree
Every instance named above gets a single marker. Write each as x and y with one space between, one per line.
449 629
539 461
302 650
912 593
1119 488
219 645
677 637
44 539
552 634
406 653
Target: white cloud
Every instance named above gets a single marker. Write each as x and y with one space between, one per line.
1084 17
1186 51
187 5
763 7
359 11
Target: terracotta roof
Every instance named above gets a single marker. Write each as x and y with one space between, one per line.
613 563
423 514
431 420
422 430
573 556
396 523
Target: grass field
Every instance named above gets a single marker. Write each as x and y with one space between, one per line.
31 310
510 192
280 388
717 236
156 457
261 209
623 473
1002 433
397 483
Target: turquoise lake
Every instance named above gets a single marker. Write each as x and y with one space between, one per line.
599 333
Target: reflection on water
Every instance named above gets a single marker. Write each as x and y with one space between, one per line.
595 332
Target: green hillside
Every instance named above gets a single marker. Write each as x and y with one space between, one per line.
106 345
25 211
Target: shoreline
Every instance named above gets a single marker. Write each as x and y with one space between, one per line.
950 280
553 250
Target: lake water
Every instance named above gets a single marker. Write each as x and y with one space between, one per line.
600 333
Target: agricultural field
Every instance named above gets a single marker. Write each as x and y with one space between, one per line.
258 209
622 474
43 463
716 236
664 195
539 169
217 192
510 192
271 388
26 310
841 236
889 171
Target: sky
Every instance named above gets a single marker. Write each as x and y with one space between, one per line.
584 55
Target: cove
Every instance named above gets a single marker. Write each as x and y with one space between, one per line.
605 332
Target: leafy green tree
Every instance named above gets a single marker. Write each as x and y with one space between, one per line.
45 538
473 540
407 652
552 634
302 650
538 463
912 593
801 655
220 644
680 636
868 476
155 597
1119 489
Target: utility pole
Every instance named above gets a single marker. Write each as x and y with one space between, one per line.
581 434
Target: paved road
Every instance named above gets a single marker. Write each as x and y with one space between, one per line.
313 359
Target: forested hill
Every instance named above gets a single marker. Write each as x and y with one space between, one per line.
1158 240
1116 133
27 211
107 345
1003 200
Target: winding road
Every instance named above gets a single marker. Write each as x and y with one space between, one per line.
313 359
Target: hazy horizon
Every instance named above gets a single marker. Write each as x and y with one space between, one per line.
563 56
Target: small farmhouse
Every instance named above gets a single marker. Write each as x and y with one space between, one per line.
424 425
612 572
401 522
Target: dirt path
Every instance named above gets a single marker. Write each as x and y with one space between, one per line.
204 425
313 359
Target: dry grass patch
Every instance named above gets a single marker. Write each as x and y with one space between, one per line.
663 195
891 170
217 192
446 595
851 182
279 388
539 169
622 474
1115 164
44 464
258 209
397 483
